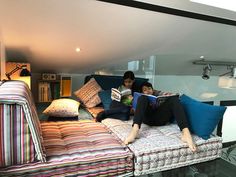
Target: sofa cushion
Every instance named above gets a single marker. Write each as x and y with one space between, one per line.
18 150
105 96
202 117
107 82
88 93
63 107
19 123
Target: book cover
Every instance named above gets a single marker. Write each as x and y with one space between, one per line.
154 100
117 95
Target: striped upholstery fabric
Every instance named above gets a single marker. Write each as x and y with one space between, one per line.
80 148
88 94
95 110
20 135
15 149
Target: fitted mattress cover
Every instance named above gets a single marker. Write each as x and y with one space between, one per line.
160 148
78 148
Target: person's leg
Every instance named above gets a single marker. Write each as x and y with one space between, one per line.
117 111
172 107
142 109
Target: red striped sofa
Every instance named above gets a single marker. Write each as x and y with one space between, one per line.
31 148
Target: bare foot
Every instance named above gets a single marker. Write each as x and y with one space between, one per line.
132 135
187 138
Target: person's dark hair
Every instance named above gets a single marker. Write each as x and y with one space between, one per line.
147 84
129 75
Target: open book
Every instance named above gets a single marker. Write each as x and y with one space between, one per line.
155 100
117 95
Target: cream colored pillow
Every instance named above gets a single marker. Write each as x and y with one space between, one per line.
88 93
63 107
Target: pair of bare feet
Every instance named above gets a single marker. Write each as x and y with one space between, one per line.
186 137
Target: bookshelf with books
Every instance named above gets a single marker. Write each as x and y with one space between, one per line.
49 88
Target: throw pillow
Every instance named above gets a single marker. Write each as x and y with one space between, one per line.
63 108
202 117
105 96
88 93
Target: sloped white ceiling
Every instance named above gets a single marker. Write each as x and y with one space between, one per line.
46 33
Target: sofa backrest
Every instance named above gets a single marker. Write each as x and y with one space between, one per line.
108 82
20 131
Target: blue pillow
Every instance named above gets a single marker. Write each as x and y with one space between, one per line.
202 117
105 96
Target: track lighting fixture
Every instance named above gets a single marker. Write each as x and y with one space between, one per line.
206 71
209 64
226 80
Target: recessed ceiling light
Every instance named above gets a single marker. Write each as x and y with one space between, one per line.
77 49
225 4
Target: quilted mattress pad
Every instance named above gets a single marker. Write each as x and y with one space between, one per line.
78 148
160 148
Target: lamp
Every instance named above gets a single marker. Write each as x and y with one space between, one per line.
206 71
226 80
24 71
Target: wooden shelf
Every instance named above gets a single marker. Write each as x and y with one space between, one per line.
48 90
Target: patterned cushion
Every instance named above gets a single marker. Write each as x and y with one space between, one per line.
95 110
19 123
63 108
88 94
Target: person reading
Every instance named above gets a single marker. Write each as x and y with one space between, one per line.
120 107
158 116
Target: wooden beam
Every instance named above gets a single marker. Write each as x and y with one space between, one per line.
172 11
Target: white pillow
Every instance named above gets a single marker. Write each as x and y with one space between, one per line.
63 107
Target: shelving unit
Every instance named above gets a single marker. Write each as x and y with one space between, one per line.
49 90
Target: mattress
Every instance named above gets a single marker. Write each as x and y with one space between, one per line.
160 148
80 148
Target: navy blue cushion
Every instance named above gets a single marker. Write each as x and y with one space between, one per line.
108 82
202 117
105 96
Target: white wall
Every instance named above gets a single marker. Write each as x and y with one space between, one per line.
228 128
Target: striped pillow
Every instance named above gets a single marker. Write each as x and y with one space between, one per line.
88 94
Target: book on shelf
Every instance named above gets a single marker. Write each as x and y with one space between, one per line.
56 91
44 92
118 95
154 100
